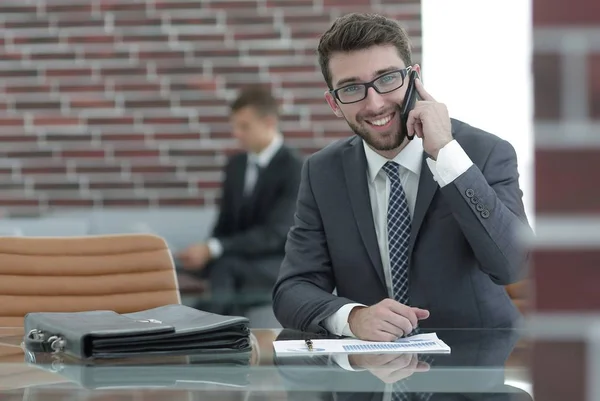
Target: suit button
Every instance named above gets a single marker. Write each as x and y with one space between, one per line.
485 214
470 193
480 207
475 200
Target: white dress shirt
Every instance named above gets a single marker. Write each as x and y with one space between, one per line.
254 160
452 161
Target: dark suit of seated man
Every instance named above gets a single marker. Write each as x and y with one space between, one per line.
411 231
242 258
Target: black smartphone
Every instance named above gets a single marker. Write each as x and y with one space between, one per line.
410 99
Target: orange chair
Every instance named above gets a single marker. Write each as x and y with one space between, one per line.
520 293
124 273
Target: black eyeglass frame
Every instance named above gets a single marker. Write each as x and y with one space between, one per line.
403 72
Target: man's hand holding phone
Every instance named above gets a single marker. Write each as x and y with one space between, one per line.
387 320
430 121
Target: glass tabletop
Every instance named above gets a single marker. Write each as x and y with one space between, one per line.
482 365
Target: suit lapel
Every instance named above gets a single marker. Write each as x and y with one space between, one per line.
265 176
427 188
355 174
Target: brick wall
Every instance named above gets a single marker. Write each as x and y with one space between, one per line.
566 65
111 103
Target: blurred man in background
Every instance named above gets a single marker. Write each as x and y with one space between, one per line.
258 200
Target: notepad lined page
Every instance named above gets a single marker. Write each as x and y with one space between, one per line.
422 343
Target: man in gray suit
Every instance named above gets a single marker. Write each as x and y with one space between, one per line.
421 232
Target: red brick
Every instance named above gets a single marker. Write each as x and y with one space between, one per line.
135 20
69 137
44 169
192 152
17 202
237 69
155 153
153 169
217 53
78 22
58 186
36 40
10 121
292 69
562 182
92 104
132 202
166 184
577 288
112 185
92 54
28 154
272 52
241 36
90 39
115 71
234 5
37 105
66 88
144 38
21 73
55 121
177 136
66 55
122 6
184 70
558 370
6 171
175 5
195 201
137 86
202 21
547 86
297 3
594 85
558 12
22 138
84 154
98 169
110 120
148 103
164 54
27 89
123 137
166 120
69 8
78 202
209 184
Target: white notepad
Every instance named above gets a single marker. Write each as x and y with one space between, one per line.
422 343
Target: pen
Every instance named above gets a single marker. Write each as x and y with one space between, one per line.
309 344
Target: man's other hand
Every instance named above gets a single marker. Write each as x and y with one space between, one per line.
386 321
195 257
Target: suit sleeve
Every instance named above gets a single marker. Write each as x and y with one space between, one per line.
302 295
269 237
487 204
220 226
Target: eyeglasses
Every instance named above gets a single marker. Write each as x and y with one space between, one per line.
386 83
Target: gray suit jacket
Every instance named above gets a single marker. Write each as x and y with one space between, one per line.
464 244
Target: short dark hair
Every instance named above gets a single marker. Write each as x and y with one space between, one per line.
358 31
258 97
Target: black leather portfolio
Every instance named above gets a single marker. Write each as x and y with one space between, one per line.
170 329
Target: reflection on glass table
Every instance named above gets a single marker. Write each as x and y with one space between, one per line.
482 366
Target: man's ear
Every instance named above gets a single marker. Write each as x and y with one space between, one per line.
333 104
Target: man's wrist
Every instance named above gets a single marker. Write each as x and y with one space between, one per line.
351 318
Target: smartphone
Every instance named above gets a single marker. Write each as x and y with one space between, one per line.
410 99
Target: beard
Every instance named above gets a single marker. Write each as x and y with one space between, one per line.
390 140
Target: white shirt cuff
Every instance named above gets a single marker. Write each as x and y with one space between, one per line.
452 161
215 247
337 323
343 361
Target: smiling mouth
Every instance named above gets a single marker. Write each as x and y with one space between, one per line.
382 121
